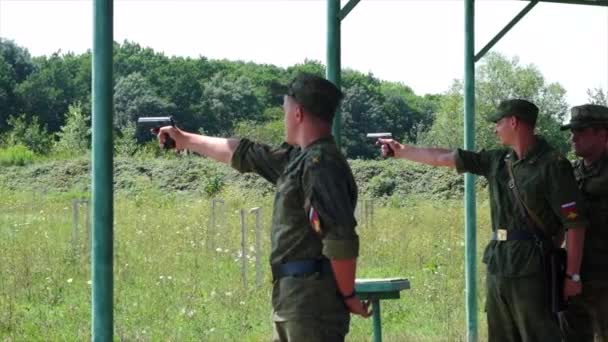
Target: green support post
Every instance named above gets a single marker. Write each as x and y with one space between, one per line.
469 180
102 178
377 321
333 57
374 290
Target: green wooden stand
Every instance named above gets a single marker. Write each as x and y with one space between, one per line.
376 289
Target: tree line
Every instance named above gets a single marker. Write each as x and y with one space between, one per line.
45 101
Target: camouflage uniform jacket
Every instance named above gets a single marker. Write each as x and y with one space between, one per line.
314 178
593 182
546 184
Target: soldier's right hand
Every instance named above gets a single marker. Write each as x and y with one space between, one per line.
179 136
358 307
389 147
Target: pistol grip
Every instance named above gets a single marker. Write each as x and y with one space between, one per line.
169 142
391 152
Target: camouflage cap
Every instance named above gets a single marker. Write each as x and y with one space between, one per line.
317 95
588 115
522 109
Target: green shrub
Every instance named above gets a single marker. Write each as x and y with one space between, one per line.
28 132
381 185
18 155
74 137
213 185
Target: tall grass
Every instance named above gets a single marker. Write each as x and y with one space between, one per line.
175 279
17 155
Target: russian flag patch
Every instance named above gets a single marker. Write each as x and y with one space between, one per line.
315 222
569 211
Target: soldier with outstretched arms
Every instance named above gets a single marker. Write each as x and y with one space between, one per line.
526 179
314 245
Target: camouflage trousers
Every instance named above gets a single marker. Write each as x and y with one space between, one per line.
311 330
517 309
586 319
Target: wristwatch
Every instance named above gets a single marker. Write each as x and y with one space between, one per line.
349 296
574 277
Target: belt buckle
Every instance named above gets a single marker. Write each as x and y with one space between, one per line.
501 235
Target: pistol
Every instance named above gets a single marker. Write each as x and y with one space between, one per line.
155 123
558 259
385 135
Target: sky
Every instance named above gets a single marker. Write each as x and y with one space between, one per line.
419 43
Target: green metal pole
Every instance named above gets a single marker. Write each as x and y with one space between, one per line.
102 164
333 57
377 321
469 179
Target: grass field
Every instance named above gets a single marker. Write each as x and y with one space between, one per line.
175 279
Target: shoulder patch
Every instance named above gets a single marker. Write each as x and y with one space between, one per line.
314 158
569 211
315 221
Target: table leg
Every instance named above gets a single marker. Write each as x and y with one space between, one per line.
377 322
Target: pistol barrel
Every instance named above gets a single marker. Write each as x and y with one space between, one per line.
156 120
379 135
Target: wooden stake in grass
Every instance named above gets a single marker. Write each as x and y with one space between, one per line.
215 204
258 249
243 248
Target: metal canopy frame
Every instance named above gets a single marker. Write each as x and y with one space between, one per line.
102 151
578 2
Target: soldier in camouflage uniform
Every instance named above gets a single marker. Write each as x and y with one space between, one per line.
314 245
587 314
517 303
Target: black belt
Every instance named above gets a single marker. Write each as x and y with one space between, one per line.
300 268
512 235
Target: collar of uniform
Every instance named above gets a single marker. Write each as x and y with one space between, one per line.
595 167
323 140
536 151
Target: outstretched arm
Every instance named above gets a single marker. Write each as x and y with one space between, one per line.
424 155
220 149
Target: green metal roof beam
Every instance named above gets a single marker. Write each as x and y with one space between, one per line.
580 2
506 29
347 8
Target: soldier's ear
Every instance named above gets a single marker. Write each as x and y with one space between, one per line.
514 121
299 114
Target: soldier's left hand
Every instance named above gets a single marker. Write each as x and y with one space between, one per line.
572 288
358 307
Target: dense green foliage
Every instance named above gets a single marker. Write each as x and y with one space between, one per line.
388 180
45 101
216 97
16 155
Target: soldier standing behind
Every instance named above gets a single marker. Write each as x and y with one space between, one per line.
314 246
517 304
587 314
